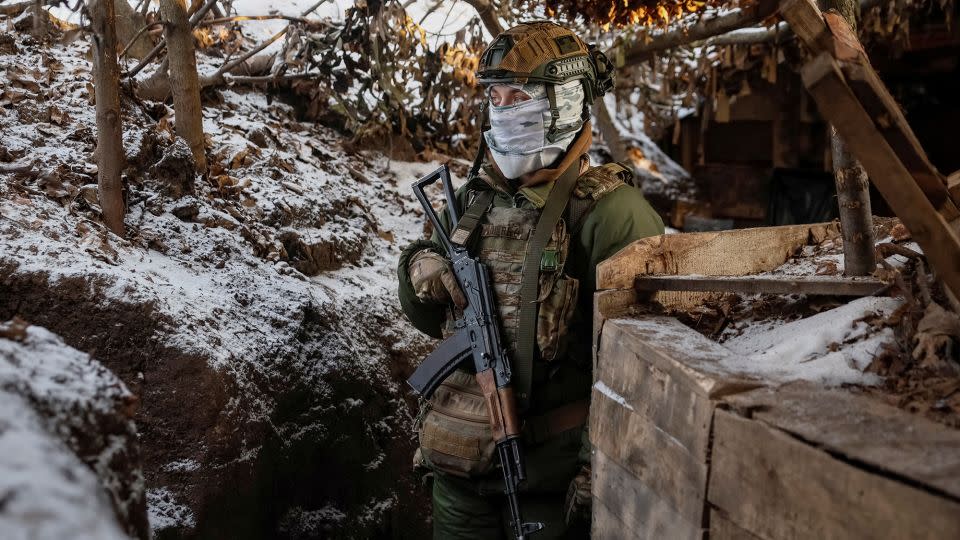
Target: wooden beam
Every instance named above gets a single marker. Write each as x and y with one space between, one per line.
953 186
709 253
813 285
890 120
840 106
805 20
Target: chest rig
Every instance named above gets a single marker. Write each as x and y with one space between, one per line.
502 236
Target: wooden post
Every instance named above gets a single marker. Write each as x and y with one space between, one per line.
853 186
106 77
838 103
618 150
184 82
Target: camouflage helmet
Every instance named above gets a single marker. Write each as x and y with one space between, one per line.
547 53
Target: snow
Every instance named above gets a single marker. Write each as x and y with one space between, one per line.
51 396
47 492
164 511
602 387
801 350
214 270
658 173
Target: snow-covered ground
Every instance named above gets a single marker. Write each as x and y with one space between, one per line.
216 281
68 453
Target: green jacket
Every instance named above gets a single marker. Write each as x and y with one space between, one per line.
617 219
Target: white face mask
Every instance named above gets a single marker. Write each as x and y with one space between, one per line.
518 133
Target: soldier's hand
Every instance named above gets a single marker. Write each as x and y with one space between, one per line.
433 280
577 507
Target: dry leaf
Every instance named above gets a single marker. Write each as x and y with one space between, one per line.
15 329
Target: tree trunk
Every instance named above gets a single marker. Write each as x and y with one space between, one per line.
106 76
853 186
184 82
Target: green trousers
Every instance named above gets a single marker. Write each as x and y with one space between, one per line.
476 509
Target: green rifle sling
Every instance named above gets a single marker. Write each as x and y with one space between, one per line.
471 218
530 278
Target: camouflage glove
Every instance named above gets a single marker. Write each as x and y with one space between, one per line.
433 280
577 507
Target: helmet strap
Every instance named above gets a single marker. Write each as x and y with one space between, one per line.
482 150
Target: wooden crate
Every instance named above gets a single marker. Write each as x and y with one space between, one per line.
684 448
804 462
650 422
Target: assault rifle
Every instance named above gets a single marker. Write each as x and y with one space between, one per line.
477 338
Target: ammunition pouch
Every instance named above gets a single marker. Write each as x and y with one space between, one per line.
455 433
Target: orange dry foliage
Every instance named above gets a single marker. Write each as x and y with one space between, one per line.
629 12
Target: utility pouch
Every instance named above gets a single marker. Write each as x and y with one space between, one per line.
455 432
555 314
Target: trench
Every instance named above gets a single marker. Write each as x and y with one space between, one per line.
332 448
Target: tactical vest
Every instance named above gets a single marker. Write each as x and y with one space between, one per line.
454 430
500 240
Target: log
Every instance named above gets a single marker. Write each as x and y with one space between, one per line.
812 285
840 106
853 187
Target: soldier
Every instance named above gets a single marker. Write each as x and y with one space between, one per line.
540 81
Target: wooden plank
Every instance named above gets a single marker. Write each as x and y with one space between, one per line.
726 253
813 285
721 528
669 374
807 23
659 462
953 186
903 445
844 43
777 486
605 525
607 304
840 106
892 124
622 500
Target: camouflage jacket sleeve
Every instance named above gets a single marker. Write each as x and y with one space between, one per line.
428 318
